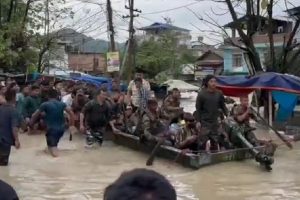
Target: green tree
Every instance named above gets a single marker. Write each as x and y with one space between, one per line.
15 53
163 54
25 31
47 17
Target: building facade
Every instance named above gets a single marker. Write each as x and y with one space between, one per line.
58 57
234 57
156 30
94 63
209 63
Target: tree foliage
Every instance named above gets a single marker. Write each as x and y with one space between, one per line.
164 53
25 27
15 52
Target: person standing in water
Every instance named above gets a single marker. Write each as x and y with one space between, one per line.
55 120
95 117
9 123
210 101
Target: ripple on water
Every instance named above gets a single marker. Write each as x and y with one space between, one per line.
82 174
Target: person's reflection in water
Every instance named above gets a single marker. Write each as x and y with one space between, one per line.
140 184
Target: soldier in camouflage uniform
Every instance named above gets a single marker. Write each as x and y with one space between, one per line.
241 132
171 105
153 129
242 114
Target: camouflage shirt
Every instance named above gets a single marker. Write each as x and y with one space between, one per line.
152 126
239 110
171 102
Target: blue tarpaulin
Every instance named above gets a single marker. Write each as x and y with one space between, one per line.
98 81
239 85
284 89
287 102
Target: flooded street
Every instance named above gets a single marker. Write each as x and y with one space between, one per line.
83 174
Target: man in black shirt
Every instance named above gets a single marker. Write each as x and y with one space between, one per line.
210 105
9 123
95 116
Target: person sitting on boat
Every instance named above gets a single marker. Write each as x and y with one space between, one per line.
124 122
242 114
191 132
171 105
152 127
242 135
209 101
117 99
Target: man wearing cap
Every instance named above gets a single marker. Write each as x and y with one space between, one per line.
134 90
210 101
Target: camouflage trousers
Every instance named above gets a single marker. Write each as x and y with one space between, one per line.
245 130
94 137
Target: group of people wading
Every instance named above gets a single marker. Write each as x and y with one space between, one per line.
92 111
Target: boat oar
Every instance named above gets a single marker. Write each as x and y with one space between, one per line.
273 129
154 152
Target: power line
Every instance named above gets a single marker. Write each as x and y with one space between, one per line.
171 9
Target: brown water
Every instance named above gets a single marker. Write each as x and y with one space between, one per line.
82 174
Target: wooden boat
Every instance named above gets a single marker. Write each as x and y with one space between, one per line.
190 160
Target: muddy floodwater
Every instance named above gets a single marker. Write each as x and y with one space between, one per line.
82 174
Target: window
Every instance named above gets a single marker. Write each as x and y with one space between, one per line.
237 60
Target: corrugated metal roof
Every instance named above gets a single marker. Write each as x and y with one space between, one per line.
162 26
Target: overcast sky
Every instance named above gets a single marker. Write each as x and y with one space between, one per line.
90 19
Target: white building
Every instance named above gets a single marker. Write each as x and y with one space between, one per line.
157 29
58 57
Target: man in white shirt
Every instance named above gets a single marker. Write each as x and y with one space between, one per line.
133 91
68 99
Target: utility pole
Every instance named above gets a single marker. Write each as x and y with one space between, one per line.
131 43
47 32
110 26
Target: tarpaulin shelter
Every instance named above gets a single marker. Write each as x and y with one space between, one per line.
283 87
98 81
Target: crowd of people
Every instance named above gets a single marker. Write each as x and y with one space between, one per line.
55 106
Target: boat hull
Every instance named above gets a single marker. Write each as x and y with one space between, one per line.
190 160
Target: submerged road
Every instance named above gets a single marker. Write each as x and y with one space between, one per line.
80 173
